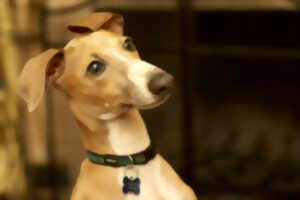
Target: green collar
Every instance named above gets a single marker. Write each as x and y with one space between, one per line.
124 160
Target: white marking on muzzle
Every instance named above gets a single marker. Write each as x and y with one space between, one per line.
138 73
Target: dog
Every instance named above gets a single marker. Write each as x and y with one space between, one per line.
106 83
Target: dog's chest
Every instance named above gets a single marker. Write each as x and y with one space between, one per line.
147 175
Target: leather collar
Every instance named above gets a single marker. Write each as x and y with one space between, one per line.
139 158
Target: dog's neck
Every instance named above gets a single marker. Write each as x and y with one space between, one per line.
124 135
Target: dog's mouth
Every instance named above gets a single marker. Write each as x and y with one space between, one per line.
155 104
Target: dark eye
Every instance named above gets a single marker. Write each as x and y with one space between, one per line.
128 45
95 68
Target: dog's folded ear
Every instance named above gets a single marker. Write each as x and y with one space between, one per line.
32 80
96 21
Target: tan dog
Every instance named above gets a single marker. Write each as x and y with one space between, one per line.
105 83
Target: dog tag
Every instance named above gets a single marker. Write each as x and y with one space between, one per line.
131 185
131 181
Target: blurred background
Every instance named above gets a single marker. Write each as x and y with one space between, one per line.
231 129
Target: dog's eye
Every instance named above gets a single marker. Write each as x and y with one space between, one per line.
95 68
128 45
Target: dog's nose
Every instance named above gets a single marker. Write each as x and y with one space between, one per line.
161 83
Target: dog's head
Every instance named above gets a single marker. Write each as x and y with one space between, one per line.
99 70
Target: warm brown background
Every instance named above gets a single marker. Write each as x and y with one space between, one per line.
231 129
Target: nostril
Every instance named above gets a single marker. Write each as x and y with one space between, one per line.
162 89
160 83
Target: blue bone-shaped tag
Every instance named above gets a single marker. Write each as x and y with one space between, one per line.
131 185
